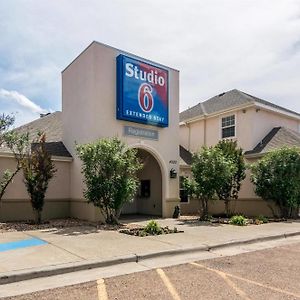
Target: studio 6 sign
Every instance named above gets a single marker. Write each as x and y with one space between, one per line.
142 92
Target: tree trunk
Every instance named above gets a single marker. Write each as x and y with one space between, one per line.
284 211
38 216
227 209
275 215
118 213
111 217
3 188
204 208
294 212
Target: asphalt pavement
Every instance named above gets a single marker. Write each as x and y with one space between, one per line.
264 274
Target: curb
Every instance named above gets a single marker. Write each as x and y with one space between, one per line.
255 240
28 274
62 269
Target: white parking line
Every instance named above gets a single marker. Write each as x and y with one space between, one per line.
250 281
168 284
240 292
102 293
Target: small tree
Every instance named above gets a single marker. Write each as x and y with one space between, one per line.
230 189
277 178
16 143
5 122
38 169
210 169
110 175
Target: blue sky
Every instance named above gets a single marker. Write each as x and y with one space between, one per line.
217 45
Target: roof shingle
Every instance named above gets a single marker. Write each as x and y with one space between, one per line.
51 125
225 101
185 155
277 138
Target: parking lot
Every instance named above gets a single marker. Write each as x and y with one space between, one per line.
265 274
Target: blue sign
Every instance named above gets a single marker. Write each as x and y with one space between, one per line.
142 92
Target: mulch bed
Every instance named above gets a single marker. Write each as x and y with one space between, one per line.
224 220
131 229
57 224
139 231
250 221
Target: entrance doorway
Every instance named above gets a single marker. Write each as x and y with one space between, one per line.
148 199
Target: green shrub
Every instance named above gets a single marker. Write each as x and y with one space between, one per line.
277 179
262 219
230 189
110 169
38 170
210 169
238 220
153 228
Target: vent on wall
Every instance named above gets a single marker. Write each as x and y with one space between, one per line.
44 115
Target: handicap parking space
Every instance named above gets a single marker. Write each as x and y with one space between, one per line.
7 237
30 253
19 244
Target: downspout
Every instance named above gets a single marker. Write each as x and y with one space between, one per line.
204 125
189 136
204 129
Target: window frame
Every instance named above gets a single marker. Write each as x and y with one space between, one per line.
221 126
181 188
142 189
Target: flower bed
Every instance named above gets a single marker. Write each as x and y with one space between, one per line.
140 231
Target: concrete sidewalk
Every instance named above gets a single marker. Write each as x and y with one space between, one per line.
79 248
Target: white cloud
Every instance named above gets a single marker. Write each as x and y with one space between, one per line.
252 45
24 110
21 100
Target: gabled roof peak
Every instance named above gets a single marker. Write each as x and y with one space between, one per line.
227 100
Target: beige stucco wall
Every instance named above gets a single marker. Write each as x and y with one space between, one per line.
89 113
184 136
196 135
15 204
265 120
252 125
207 131
248 207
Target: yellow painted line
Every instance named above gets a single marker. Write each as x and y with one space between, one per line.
251 281
102 293
240 292
168 284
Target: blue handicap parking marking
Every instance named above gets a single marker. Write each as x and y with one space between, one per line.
21 244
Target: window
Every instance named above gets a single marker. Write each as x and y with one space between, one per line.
228 127
145 188
184 197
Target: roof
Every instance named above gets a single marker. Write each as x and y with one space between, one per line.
224 101
185 155
278 137
51 125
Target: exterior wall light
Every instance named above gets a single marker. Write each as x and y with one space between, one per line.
173 173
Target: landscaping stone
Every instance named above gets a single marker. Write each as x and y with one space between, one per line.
140 231
57 223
